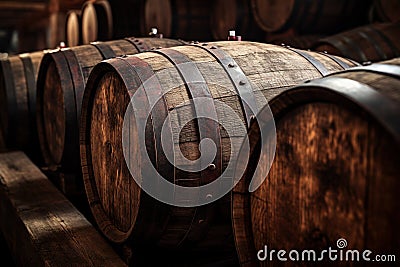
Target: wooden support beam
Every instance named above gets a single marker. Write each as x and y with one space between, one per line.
40 225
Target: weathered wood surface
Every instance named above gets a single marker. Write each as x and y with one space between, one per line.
375 42
122 211
335 172
18 75
39 224
61 83
310 17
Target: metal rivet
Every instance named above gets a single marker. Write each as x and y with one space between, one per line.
192 42
205 44
159 47
209 196
213 47
212 166
366 63
325 52
282 44
231 65
201 221
242 82
196 42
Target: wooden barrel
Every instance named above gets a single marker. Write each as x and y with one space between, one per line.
374 42
97 21
18 76
387 10
225 70
61 82
235 15
185 19
335 172
73 23
310 17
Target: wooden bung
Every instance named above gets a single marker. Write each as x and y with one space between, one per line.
235 15
122 211
335 172
180 18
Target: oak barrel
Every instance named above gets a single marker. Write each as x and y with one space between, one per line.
61 82
310 17
375 42
73 36
18 76
122 211
335 172
235 15
97 21
185 19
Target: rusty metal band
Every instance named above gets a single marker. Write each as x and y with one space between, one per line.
139 44
159 113
316 63
373 43
384 109
337 60
150 93
197 87
239 80
71 150
104 49
11 100
31 87
77 79
377 68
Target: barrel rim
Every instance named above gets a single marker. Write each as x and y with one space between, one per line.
49 58
99 214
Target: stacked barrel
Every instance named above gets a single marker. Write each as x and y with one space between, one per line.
220 148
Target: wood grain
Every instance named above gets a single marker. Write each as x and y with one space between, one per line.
42 227
61 83
270 70
18 102
334 174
